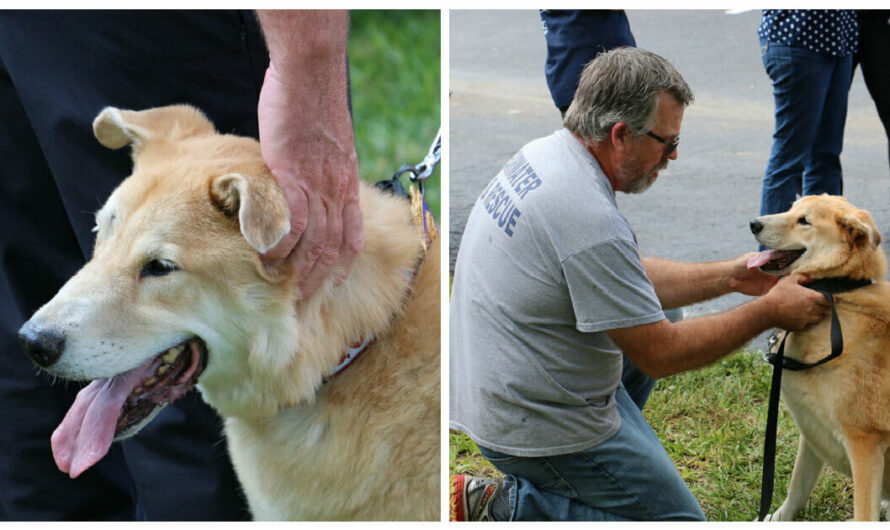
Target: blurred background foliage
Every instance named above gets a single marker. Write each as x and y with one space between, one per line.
395 74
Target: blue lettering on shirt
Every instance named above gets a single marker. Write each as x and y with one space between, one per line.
498 200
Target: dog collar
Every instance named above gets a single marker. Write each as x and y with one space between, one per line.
837 285
828 287
426 224
352 353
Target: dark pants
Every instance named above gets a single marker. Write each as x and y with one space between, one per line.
574 38
874 45
57 71
810 92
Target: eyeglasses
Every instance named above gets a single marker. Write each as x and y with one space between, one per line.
670 145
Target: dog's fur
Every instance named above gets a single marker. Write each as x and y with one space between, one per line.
364 446
842 407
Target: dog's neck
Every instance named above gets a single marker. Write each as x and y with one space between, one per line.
364 305
867 264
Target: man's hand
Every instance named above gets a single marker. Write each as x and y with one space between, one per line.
752 282
307 142
794 307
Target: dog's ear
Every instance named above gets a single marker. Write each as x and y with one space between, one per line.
861 227
258 203
116 128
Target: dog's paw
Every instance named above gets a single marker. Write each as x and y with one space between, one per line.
885 507
782 514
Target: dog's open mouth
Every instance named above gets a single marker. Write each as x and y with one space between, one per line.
114 408
775 261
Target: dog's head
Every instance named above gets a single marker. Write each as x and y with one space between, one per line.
175 292
822 236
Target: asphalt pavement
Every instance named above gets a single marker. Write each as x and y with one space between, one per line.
700 206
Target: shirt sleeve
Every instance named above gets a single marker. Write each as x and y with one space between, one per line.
609 287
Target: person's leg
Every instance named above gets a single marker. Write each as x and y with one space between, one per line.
535 493
38 252
628 477
800 83
574 38
823 169
874 41
637 384
66 67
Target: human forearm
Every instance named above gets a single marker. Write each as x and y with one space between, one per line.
678 284
300 38
307 58
307 141
664 348
693 343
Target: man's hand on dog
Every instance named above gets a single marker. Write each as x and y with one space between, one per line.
795 307
307 141
752 282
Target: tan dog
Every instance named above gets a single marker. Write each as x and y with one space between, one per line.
842 407
176 296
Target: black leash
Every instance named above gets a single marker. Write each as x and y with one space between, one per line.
828 287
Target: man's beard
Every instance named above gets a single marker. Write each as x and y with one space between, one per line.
637 183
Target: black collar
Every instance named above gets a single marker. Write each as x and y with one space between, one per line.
837 285
828 287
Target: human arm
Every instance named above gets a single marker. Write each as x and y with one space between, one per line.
663 348
307 141
679 284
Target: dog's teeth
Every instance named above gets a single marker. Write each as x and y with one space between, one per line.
173 353
162 369
150 382
138 390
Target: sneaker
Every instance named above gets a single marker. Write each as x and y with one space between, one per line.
471 497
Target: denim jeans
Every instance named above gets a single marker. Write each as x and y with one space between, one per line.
810 92
628 477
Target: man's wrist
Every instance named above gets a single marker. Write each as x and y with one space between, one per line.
310 41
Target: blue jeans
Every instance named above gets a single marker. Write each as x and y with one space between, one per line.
810 91
628 477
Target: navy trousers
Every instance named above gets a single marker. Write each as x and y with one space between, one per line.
57 71
574 38
874 42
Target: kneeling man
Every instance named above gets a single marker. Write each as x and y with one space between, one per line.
553 312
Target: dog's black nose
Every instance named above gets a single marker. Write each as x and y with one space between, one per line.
43 347
756 226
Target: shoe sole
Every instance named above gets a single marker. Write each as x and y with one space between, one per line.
458 511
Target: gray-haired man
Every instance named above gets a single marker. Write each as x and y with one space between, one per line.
550 291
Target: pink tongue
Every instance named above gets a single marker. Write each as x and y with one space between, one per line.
762 258
86 433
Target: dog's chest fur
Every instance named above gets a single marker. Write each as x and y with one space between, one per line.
339 465
342 456
850 393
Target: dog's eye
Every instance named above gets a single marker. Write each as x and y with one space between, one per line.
803 221
157 267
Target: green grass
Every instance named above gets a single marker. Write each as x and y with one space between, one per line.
711 422
395 75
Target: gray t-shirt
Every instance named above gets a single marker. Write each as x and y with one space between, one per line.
546 264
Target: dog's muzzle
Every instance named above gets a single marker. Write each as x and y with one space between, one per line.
44 347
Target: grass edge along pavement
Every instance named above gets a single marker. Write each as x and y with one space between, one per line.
711 422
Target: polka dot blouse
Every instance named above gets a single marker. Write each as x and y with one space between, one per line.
830 31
